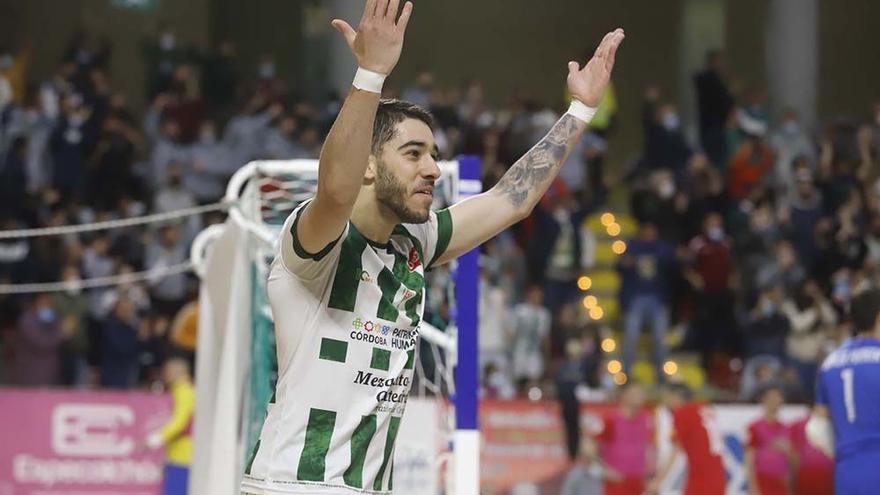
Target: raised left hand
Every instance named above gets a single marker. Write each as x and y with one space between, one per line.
588 84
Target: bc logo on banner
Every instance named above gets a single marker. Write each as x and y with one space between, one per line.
91 430
80 442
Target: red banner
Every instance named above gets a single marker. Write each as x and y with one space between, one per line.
80 443
524 441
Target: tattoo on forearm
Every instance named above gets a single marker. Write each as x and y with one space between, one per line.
538 163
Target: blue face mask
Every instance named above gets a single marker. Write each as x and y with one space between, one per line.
46 315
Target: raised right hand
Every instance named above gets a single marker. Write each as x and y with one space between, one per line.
378 41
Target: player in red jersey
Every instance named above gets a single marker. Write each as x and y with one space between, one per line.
694 433
768 448
814 471
626 443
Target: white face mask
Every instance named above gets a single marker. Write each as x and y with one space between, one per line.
671 122
666 189
167 41
791 127
6 61
267 70
716 234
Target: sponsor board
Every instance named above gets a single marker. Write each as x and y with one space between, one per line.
523 444
64 443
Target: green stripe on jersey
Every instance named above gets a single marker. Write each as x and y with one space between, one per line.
402 231
333 350
343 295
410 359
298 247
389 285
444 234
381 359
360 441
393 425
314 453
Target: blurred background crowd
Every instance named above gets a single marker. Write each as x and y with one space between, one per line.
727 257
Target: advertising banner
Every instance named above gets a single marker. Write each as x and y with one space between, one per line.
80 443
523 446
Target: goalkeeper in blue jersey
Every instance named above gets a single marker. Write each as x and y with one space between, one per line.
846 419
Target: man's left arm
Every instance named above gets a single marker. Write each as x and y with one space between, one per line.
479 218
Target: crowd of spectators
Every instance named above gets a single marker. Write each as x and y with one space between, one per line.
751 238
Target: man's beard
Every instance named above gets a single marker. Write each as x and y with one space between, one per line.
391 193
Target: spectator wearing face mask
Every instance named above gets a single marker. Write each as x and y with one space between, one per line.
790 143
37 342
72 307
710 273
665 146
662 204
768 327
211 166
269 84
162 54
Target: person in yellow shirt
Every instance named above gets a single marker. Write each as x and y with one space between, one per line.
13 67
176 434
185 328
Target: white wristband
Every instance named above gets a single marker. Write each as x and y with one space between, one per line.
581 112
367 80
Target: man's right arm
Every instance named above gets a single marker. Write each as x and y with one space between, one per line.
376 45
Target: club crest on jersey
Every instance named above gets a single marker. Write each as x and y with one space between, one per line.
413 262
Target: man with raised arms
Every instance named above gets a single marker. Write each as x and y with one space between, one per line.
347 285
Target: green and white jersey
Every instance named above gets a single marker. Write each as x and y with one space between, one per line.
347 333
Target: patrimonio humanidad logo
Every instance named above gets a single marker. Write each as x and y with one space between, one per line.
378 333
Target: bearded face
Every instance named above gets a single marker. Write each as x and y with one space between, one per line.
394 194
405 172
